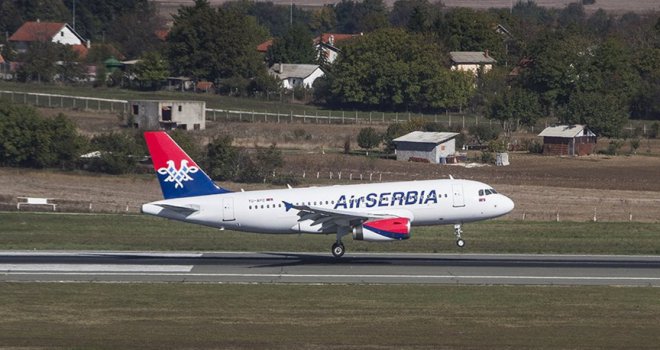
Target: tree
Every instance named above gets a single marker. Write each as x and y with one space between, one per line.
119 153
204 43
222 158
135 31
391 69
294 47
604 113
151 71
39 62
514 107
463 29
369 138
29 140
359 17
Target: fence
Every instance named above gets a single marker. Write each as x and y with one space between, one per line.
227 115
318 117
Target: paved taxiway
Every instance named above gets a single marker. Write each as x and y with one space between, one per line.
237 267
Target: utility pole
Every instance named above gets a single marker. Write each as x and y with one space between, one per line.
74 15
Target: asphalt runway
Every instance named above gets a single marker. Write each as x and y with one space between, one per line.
313 268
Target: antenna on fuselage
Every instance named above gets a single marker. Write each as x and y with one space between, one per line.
451 177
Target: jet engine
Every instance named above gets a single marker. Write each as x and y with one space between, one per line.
394 229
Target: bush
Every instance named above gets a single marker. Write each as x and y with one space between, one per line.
29 140
535 147
483 133
613 147
286 179
120 153
654 131
369 138
487 157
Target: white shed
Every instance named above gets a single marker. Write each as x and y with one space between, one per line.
430 146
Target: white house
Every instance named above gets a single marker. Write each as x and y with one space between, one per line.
55 32
294 75
471 61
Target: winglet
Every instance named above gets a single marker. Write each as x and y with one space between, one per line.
287 205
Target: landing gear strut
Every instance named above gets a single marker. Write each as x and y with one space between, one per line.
457 231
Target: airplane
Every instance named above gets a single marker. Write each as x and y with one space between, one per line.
375 212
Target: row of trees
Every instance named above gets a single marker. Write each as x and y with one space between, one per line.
597 69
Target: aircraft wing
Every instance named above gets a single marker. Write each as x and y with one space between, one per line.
330 219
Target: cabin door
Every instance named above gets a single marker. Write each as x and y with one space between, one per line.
457 196
228 209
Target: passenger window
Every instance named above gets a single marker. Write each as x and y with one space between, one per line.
481 192
262 206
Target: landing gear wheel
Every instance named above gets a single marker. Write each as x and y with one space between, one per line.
460 243
338 249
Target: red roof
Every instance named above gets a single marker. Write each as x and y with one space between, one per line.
325 37
2 59
161 34
263 47
37 31
81 50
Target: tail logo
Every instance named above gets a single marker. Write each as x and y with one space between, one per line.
178 175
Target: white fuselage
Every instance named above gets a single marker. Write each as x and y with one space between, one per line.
430 202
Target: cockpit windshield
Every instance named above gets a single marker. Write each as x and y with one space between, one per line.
487 192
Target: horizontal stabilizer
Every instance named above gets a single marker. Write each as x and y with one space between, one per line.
183 210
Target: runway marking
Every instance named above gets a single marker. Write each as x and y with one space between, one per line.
73 268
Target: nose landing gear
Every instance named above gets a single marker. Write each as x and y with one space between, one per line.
457 231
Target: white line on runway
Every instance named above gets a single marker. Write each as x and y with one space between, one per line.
73 268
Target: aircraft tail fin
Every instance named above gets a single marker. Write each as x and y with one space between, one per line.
178 174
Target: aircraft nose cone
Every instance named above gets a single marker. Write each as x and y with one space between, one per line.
507 205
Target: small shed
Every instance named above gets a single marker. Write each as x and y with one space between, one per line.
568 140
168 115
433 147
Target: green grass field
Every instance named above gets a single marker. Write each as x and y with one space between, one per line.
140 232
193 316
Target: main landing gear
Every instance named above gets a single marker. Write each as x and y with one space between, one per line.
338 248
457 231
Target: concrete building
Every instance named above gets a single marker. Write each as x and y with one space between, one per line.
431 147
168 115
568 140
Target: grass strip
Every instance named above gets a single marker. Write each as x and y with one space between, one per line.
192 316
139 232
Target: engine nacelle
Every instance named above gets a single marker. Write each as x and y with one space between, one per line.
394 229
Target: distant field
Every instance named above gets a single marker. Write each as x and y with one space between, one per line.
28 231
170 6
609 5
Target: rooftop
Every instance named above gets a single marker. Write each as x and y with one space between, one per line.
285 70
566 131
463 57
426 137
40 31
